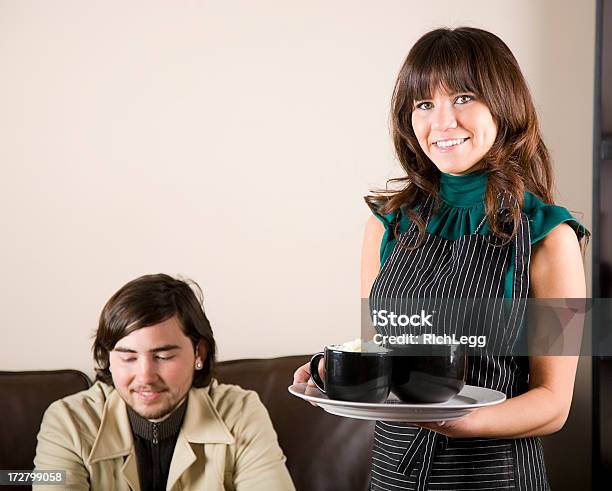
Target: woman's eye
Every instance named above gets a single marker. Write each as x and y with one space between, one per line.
462 99
127 360
424 105
164 358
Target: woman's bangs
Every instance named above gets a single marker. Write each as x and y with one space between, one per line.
445 69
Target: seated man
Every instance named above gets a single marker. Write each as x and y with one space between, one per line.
156 418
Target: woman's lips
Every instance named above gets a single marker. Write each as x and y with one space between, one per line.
455 143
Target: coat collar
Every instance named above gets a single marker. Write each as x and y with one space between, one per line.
202 424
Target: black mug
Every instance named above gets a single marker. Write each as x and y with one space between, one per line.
353 376
427 372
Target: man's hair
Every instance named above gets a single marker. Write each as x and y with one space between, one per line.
147 301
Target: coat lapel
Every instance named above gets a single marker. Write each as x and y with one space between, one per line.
114 439
202 425
130 471
182 458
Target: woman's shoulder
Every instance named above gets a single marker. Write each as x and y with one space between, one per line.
393 221
381 228
544 217
377 207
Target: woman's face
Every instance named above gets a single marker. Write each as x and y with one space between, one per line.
454 130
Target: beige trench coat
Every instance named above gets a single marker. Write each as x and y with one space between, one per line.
227 442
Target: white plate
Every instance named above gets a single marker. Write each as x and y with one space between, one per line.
393 409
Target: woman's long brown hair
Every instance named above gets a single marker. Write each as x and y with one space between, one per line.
472 60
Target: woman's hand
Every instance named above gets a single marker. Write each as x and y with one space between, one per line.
302 375
457 428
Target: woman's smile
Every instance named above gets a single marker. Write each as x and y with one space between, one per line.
449 145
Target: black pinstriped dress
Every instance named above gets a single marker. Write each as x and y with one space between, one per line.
408 457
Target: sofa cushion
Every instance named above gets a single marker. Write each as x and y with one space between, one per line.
324 452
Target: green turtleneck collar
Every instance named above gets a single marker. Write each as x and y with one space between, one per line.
466 190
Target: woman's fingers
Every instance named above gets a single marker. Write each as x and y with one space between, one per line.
322 369
302 374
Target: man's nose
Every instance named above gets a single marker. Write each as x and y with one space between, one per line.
147 371
443 118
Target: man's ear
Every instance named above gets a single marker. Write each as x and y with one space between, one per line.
201 352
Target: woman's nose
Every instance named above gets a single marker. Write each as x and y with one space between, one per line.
443 118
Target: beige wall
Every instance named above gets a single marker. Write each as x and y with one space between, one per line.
230 142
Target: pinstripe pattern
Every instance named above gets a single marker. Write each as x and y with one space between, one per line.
473 266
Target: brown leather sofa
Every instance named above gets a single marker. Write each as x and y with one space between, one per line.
324 452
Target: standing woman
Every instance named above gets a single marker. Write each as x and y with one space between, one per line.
466 134
477 173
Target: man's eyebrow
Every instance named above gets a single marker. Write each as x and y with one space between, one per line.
123 350
165 347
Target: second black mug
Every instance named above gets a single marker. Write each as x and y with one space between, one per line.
427 373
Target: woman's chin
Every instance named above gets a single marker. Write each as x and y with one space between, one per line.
456 169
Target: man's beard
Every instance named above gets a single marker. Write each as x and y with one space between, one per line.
158 413
160 409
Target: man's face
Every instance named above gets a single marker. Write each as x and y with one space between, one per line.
153 368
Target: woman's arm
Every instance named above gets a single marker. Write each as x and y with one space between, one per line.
370 254
556 272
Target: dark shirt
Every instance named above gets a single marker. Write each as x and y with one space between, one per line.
154 444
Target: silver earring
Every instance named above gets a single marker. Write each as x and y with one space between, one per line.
198 365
